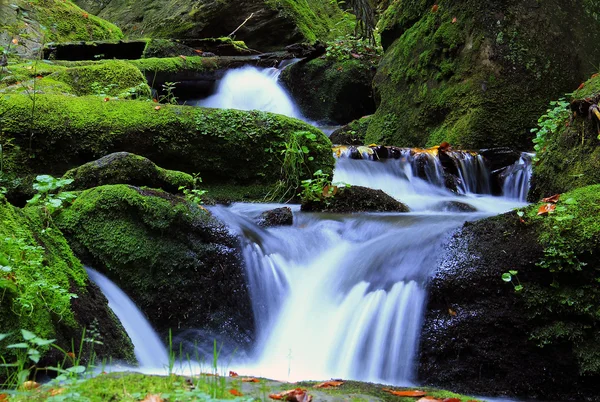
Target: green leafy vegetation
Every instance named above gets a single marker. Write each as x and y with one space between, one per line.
549 123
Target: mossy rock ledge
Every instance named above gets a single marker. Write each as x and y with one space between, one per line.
39 271
223 146
570 157
178 263
483 336
356 199
478 74
273 23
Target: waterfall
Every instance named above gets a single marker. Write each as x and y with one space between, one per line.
517 176
148 348
251 88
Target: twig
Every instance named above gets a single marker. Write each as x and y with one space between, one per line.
241 25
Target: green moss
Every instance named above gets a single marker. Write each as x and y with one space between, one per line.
456 81
174 64
38 272
567 311
110 78
225 146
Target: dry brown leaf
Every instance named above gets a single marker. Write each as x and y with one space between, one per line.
3 397
554 199
233 374
546 209
429 399
250 379
293 395
329 384
452 312
29 385
56 391
451 400
153 398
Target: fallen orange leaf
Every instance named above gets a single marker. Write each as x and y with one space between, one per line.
434 8
595 75
3 397
293 395
429 399
15 41
183 57
153 398
454 20
156 107
56 391
86 15
106 99
235 392
554 199
452 312
546 209
198 51
406 393
329 384
451 400
233 374
581 86
250 379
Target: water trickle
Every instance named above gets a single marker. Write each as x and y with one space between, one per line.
251 88
148 348
517 176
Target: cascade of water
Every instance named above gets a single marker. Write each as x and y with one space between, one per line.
250 88
473 173
516 178
149 350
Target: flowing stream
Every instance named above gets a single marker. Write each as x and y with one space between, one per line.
343 296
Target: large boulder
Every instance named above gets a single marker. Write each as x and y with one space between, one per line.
224 146
331 91
568 144
180 265
46 290
263 24
34 23
478 74
483 335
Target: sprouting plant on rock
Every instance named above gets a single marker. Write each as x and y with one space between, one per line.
194 194
548 124
511 277
49 196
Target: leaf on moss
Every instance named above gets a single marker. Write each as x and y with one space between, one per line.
153 398
235 392
414 393
554 199
329 384
546 209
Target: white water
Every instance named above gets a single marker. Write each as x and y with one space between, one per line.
148 348
251 88
516 178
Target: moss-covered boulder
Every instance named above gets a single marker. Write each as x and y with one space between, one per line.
534 336
352 133
126 168
568 144
193 47
478 74
224 146
45 289
355 199
272 23
36 22
180 265
331 91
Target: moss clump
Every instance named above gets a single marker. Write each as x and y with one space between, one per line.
476 74
45 289
331 91
126 168
174 48
569 156
353 133
109 78
163 252
175 64
223 146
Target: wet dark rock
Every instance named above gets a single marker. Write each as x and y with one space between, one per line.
126 168
477 331
352 133
501 157
305 50
454 206
276 217
356 199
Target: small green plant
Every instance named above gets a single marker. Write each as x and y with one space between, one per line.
549 124
194 194
169 93
48 195
349 47
512 278
27 355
